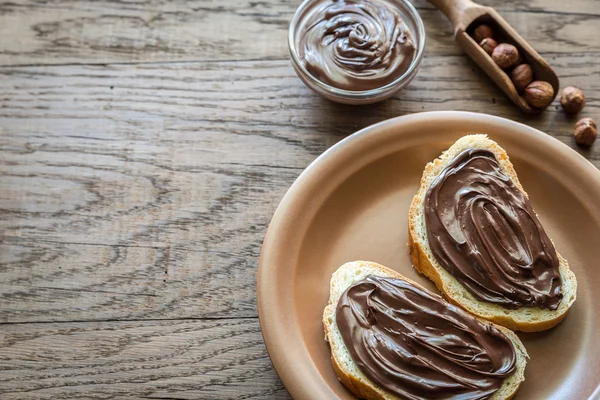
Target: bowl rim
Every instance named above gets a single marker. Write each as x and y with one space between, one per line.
358 94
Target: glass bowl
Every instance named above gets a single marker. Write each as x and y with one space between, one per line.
410 17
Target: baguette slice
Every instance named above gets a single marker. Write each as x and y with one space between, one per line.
526 319
345 368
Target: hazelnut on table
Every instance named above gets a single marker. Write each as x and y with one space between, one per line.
572 100
505 55
585 132
539 94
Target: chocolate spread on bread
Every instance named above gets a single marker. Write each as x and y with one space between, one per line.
355 45
482 229
414 344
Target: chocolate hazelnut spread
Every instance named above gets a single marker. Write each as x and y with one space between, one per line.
355 45
482 229
417 346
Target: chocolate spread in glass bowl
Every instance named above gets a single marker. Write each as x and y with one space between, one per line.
355 45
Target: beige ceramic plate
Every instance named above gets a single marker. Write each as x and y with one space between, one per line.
352 204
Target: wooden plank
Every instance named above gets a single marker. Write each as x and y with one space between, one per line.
107 31
143 192
63 282
131 192
151 360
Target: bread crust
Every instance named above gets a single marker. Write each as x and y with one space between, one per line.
424 262
361 386
423 266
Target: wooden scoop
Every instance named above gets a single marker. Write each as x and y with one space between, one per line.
465 17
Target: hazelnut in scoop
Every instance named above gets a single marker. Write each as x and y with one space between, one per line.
505 55
539 94
483 31
572 100
521 76
585 132
488 45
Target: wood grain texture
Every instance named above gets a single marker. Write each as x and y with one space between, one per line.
132 193
144 146
110 31
150 360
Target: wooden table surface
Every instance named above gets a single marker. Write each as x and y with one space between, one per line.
144 146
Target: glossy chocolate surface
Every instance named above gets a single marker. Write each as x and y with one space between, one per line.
418 346
483 230
355 45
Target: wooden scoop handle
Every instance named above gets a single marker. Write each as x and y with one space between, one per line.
461 13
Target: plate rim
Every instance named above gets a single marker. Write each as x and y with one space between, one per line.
286 372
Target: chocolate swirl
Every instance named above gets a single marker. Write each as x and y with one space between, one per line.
482 229
417 346
355 45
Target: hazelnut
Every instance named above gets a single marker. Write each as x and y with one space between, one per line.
572 100
488 44
481 32
505 55
519 59
585 132
521 76
539 94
